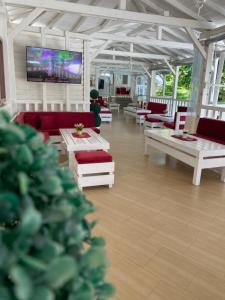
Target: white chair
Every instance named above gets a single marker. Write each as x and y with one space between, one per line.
93 168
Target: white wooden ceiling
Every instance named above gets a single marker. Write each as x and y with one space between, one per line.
212 11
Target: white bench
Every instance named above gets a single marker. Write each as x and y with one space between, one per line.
200 154
137 113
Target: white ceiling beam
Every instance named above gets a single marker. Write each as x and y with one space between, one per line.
119 62
109 13
216 7
99 50
26 22
143 41
184 9
146 71
153 6
196 42
133 54
170 66
82 20
139 29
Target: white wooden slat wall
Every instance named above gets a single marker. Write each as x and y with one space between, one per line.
30 94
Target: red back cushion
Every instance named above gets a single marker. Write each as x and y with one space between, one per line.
47 122
211 128
32 119
157 108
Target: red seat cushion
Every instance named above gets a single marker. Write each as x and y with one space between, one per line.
45 134
170 125
47 122
51 132
92 157
95 129
211 139
152 120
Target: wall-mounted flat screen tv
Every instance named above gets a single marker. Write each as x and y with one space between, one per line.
50 65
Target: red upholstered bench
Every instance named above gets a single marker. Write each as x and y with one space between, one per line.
93 168
152 122
179 119
212 130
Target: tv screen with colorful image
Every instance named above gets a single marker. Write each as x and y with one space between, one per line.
50 65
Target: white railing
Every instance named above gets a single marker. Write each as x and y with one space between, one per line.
215 112
172 104
37 105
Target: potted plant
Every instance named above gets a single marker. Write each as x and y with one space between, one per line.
79 128
46 243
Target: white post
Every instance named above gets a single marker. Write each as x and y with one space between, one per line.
8 60
207 74
153 85
44 88
175 85
123 4
67 89
219 77
164 85
86 79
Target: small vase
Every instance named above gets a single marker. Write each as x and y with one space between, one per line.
79 132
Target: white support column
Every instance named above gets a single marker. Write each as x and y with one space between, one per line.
153 85
208 72
219 77
175 85
67 88
44 88
164 85
86 77
96 77
8 58
123 4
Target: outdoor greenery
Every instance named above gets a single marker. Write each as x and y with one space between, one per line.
222 89
47 251
184 83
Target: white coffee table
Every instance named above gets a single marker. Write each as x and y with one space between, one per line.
114 106
72 144
200 154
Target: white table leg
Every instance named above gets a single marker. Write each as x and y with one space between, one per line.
197 175
222 178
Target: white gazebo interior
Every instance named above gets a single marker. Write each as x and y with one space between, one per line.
165 237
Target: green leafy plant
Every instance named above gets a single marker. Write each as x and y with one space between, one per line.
47 251
94 94
95 108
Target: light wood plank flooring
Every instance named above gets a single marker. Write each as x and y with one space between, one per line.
165 237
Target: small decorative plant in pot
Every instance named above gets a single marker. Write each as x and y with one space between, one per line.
79 128
47 249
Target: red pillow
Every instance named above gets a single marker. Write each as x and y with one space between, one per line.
47 122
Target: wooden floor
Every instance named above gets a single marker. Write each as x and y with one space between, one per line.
165 237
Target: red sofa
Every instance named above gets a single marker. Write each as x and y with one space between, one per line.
212 130
49 123
172 125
